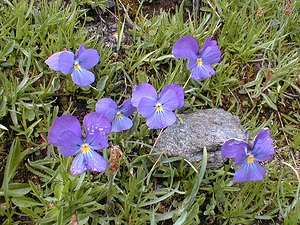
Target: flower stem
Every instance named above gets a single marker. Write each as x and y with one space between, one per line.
160 132
186 82
109 203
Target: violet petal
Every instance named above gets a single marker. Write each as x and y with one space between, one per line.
88 59
192 63
83 77
147 107
202 72
80 51
107 107
161 120
78 165
186 47
169 100
209 42
53 61
127 108
236 149
61 125
66 62
250 172
95 162
94 122
211 55
70 143
179 91
121 124
141 91
263 146
97 141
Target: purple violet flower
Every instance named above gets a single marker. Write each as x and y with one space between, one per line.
199 63
158 108
77 65
118 116
66 133
262 150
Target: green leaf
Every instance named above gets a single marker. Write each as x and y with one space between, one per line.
102 83
22 201
58 191
296 141
120 35
29 114
160 198
60 216
191 198
18 189
3 127
13 160
161 58
29 212
3 105
142 77
8 48
80 181
11 165
182 218
141 60
269 101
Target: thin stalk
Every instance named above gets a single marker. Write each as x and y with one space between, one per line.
109 203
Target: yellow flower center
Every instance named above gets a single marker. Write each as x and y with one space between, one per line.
85 148
118 115
76 66
158 107
199 62
250 159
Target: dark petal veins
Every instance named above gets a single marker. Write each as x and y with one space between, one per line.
161 120
78 165
124 123
250 172
83 77
127 108
201 72
95 162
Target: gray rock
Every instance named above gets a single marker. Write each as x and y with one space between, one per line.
204 128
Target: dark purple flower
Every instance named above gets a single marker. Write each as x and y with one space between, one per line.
262 150
66 133
158 108
77 65
200 63
118 116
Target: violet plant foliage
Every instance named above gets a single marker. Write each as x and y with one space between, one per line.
66 133
249 158
77 65
118 116
200 62
158 109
